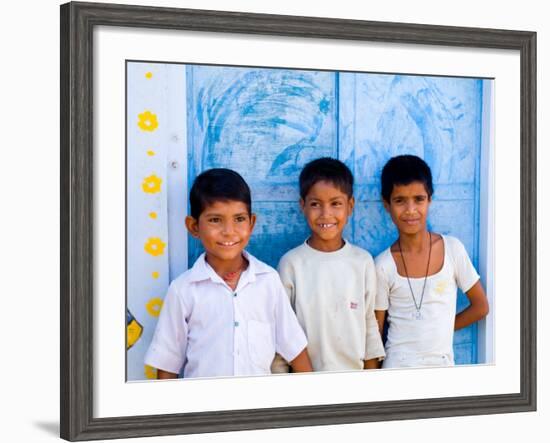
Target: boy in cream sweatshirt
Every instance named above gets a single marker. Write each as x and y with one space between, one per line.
330 282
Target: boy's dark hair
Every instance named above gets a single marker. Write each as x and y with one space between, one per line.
329 170
218 184
403 170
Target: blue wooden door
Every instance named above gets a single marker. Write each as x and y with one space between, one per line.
268 123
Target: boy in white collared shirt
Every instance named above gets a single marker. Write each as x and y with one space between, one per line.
228 314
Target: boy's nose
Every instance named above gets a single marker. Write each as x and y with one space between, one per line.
228 228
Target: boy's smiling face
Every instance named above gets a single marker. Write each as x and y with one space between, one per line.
224 229
326 209
408 207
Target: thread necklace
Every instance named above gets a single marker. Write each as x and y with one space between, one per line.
232 277
417 315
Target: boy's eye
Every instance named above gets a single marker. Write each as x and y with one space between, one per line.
314 204
214 220
240 218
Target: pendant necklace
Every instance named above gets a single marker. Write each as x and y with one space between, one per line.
418 306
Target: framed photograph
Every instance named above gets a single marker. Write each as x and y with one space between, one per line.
151 97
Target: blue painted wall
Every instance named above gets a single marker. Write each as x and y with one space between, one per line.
267 123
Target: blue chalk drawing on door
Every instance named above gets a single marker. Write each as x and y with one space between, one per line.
267 123
438 119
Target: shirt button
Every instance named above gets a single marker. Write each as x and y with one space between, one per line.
236 323
234 294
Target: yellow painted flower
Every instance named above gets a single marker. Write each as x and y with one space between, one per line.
150 153
148 121
151 184
149 75
154 306
150 372
155 274
153 215
155 246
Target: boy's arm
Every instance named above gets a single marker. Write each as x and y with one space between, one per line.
163 375
374 347
380 319
290 335
169 344
286 274
374 363
301 362
478 309
280 365
467 277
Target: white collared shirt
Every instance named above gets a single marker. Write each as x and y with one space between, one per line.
209 330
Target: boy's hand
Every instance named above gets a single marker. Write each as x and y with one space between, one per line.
301 363
163 375
373 363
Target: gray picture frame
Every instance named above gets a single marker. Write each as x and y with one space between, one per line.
77 209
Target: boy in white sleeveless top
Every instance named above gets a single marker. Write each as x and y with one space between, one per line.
419 274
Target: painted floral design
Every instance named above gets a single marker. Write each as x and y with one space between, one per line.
154 306
155 246
151 184
147 121
133 330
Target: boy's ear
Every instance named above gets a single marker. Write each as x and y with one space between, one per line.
386 205
302 203
252 222
351 203
192 225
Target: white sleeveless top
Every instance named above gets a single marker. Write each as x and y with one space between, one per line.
427 341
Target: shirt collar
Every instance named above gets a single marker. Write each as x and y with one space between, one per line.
201 270
336 254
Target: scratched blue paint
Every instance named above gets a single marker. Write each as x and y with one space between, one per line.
267 123
438 119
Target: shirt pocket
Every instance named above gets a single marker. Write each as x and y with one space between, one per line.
260 344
